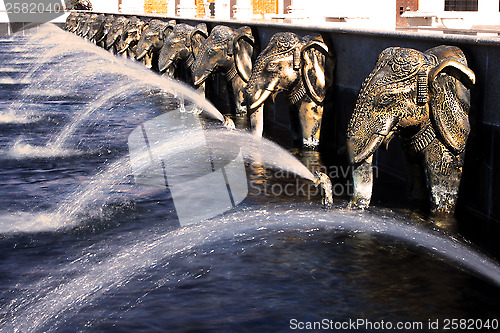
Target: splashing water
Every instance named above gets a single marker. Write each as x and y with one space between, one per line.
48 309
106 186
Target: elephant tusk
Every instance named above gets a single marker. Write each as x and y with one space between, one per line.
202 78
370 148
261 99
124 48
142 55
167 65
269 90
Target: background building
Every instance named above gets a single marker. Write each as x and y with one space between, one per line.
380 14
463 14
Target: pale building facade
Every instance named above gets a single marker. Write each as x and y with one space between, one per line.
463 14
358 13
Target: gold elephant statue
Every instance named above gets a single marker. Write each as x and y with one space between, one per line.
423 97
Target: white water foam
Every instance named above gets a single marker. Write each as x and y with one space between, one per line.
21 150
9 117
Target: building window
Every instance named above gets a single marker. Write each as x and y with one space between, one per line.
265 6
460 5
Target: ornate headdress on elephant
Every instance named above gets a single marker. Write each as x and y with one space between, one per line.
230 52
152 39
131 36
182 45
115 32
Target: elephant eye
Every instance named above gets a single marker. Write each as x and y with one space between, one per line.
272 67
385 100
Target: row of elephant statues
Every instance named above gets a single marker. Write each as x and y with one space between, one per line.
423 97
300 66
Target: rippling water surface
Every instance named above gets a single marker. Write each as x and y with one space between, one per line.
82 248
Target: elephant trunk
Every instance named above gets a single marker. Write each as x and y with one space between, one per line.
362 176
164 66
112 41
324 182
200 78
125 46
365 136
203 66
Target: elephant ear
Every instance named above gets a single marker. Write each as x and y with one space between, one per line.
167 29
242 48
197 37
316 75
449 83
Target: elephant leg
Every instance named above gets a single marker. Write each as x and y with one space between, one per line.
415 167
147 61
362 176
237 88
310 115
170 72
201 89
257 121
444 171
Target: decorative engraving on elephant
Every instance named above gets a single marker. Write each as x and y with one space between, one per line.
80 23
423 97
152 39
130 38
182 47
77 5
71 21
103 32
88 24
96 29
115 33
300 66
230 52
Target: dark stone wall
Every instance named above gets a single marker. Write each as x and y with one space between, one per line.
356 52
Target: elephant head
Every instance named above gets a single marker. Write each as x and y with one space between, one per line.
88 25
74 22
423 97
81 24
96 30
230 52
115 32
300 66
182 45
106 28
70 21
152 37
131 35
